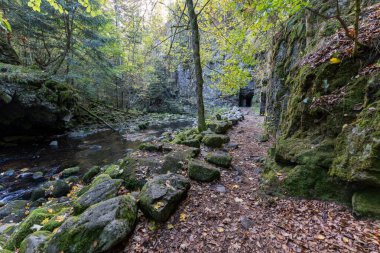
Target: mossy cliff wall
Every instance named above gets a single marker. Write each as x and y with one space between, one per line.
326 116
31 103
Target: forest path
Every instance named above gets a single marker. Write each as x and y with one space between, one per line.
232 215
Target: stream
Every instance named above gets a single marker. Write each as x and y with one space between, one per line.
26 166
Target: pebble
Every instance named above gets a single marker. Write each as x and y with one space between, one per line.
246 222
220 188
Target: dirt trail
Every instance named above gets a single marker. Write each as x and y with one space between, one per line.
232 215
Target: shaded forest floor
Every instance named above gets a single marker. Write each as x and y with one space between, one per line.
233 215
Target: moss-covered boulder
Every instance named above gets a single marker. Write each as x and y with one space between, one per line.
195 143
215 140
222 127
175 160
151 147
221 159
35 242
203 172
97 192
13 211
366 203
98 229
90 174
56 189
161 195
114 171
41 218
70 172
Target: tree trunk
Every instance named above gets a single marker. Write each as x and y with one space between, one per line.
357 19
197 64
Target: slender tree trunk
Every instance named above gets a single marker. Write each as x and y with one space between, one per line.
357 19
197 64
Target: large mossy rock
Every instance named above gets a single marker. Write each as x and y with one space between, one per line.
223 127
215 140
203 172
161 195
221 159
101 189
45 218
175 160
366 203
358 149
35 243
98 229
70 172
13 211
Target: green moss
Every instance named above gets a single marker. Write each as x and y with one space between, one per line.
215 140
46 234
313 182
358 149
114 171
90 174
70 171
221 159
25 228
202 172
151 147
366 203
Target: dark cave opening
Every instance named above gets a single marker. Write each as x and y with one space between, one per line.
245 98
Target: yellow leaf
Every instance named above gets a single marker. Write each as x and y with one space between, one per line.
335 60
345 239
24 169
320 237
45 221
55 230
220 230
50 210
235 186
60 218
182 217
158 205
170 226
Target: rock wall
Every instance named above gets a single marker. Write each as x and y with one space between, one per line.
32 104
326 114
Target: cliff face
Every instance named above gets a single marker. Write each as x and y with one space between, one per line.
326 114
32 104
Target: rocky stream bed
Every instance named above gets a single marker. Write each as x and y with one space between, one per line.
81 192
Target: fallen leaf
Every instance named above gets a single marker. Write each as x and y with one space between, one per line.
60 218
335 60
182 217
220 230
158 205
170 226
320 237
45 221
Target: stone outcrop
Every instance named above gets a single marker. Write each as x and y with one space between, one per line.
325 115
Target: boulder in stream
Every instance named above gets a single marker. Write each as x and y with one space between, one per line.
13 211
97 192
34 243
98 229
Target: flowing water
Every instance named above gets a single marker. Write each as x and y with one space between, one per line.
18 165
